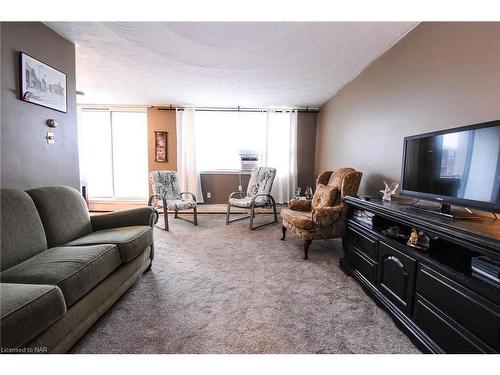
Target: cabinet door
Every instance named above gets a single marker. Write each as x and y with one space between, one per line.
396 276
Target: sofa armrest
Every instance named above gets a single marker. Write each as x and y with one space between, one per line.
125 218
300 205
326 216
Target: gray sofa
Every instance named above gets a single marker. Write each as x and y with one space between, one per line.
61 268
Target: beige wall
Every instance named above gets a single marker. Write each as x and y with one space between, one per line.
162 120
441 75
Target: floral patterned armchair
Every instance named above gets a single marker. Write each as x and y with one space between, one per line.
165 185
325 216
258 195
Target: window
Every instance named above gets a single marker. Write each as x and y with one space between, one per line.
213 140
220 136
113 153
95 153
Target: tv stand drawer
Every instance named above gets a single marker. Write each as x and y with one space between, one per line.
474 313
364 265
362 242
450 338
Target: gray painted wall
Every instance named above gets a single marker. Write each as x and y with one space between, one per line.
441 75
27 160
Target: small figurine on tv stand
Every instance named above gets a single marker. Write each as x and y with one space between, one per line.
389 190
418 240
413 240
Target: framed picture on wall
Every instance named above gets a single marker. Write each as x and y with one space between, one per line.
161 154
42 84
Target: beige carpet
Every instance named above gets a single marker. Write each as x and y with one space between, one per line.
223 289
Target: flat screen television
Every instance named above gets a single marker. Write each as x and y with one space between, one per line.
458 166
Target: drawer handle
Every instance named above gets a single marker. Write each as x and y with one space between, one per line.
397 261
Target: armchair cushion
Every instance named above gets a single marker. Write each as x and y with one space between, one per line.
300 205
180 204
326 216
324 196
261 181
131 241
165 184
258 190
125 218
347 180
298 219
324 177
247 202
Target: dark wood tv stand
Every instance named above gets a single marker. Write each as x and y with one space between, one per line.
430 294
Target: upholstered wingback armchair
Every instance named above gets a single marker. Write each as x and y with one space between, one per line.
325 216
258 195
165 186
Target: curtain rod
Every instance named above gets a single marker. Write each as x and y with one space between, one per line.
236 109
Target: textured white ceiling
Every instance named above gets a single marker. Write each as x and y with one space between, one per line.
257 64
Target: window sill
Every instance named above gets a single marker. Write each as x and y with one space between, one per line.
227 171
117 200
108 204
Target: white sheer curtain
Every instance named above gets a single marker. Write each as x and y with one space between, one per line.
281 152
189 176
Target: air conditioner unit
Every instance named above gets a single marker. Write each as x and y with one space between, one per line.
249 160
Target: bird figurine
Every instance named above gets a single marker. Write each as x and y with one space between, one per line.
389 190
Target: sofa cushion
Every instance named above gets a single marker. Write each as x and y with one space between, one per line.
131 241
299 219
64 213
324 196
26 310
21 230
74 269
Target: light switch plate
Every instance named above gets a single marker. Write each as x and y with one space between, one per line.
209 195
50 137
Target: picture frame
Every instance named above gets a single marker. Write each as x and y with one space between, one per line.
42 84
161 146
